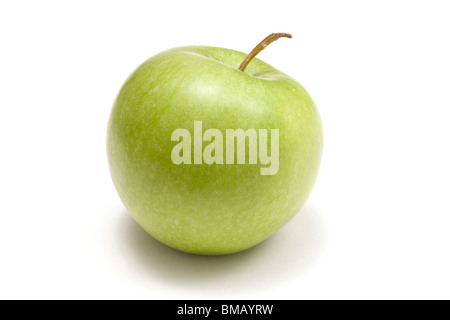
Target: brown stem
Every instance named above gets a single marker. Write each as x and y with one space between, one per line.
260 47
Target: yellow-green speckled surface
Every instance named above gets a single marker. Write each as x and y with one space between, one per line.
210 209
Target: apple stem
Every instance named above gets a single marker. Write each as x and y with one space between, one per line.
260 47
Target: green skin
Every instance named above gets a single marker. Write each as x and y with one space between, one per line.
220 208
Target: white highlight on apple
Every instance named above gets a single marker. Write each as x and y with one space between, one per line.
214 151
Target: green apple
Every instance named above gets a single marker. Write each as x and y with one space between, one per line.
217 206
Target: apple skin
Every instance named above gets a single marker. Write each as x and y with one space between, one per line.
220 208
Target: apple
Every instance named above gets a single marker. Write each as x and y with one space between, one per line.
212 150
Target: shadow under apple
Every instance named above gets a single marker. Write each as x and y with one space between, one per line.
282 257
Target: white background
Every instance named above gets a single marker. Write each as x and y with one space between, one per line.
377 224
